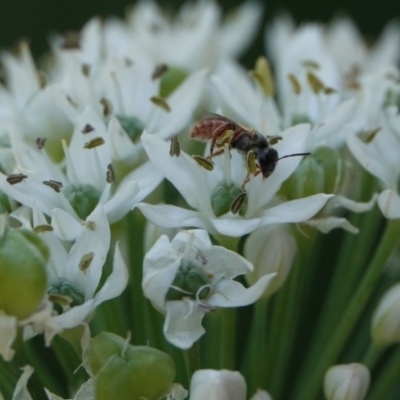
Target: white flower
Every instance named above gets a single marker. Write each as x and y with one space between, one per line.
196 186
386 318
217 385
53 191
188 277
346 382
74 275
261 395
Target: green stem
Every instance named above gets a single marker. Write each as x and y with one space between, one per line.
372 355
192 361
311 379
388 378
227 339
255 353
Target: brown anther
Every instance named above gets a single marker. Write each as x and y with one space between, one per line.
251 162
15 178
295 84
90 225
175 149
55 185
91 144
368 136
128 62
315 83
85 69
87 128
43 228
238 202
60 299
42 78
72 40
159 71
85 262
40 142
311 64
110 176
160 102
107 106
203 162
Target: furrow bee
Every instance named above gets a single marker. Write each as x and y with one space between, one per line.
221 130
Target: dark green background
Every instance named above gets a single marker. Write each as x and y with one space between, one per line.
35 19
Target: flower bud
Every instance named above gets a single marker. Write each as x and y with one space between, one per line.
63 292
212 384
83 198
386 319
23 258
171 79
317 173
127 372
189 281
346 382
132 126
271 249
261 395
222 197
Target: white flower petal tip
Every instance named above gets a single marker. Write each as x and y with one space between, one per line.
261 395
213 384
8 333
355 206
21 390
325 225
389 203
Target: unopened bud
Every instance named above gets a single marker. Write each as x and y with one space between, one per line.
317 173
386 319
83 198
212 384
223 196
23 258
127 372
346 382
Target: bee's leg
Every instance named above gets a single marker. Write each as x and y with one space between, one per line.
217 153
215 136
247 179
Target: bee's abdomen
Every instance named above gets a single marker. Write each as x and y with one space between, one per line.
204 129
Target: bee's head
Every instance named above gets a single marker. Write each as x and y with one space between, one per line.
267 159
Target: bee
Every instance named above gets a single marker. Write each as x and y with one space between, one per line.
221 130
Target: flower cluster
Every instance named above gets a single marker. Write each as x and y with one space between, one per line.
105 186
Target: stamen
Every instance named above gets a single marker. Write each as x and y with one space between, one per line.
88 128
188 246
91 144
40 142
85 262
107 107
15 178
227 165
160 102
315 83
159 71
175 149
55 185
43 228
110 177
203 162
118 93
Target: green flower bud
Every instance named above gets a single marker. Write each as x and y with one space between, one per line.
64 288
222 197
171 79
127 372
132 126
83 198
300 119
23 281
317 173
189 278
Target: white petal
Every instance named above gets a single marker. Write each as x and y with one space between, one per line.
75 316
8 333
261 395
21 391
355 206
295 210
95 241
116 282
389 203
182 325
235 227
325 225
172 216
183 172
122 201
217 385
86 391
176 392
160 265
66 227
233 294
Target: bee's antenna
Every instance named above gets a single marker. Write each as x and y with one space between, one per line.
294 155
